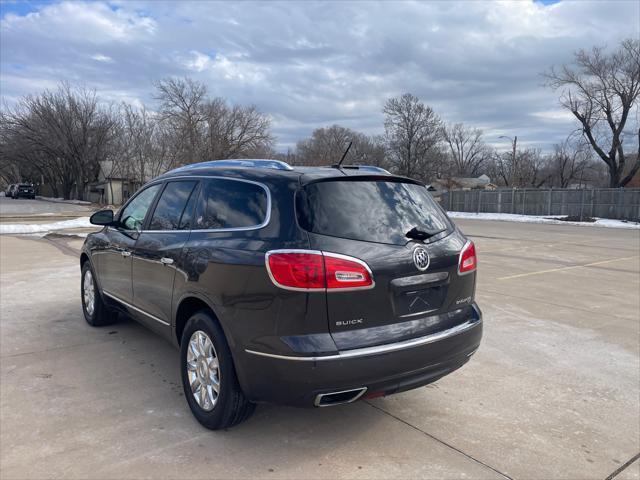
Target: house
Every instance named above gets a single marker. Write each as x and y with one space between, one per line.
110 188
483 182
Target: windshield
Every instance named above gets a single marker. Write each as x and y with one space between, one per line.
373 211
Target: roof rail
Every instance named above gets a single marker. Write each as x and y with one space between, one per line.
247 163
366 168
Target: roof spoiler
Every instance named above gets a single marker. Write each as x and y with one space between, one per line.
364 168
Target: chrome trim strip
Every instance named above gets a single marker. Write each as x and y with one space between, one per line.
318 399
127 304
379 349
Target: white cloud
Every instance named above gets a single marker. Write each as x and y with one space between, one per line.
310 64
198 61
98 57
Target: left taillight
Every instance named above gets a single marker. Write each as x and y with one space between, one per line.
312 270
468 261
344 272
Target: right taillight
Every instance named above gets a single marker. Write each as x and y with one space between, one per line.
312 270
468 261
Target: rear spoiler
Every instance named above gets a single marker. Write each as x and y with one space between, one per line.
356 176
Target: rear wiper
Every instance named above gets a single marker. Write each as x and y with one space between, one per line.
418 234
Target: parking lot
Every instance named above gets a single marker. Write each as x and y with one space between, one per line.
553 392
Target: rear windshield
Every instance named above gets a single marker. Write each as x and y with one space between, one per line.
373 211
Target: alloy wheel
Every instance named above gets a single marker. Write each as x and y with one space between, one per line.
203 370
88 292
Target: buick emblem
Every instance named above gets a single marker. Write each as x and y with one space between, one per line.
421 258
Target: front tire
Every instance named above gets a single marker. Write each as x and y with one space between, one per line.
208 375
96 313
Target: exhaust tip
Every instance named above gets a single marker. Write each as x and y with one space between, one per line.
339 398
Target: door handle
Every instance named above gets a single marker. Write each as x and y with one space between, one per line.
125 253
167 261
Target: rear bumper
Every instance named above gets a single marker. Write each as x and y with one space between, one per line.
384 369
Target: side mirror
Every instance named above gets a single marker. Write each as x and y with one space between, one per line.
102 217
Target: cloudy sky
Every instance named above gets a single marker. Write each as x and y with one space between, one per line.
314 64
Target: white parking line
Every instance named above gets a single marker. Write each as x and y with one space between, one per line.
561 269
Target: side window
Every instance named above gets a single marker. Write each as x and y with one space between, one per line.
172 203
132 217
230 204
187 216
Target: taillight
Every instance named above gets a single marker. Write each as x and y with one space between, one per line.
313 270
468 261
346 272
296 270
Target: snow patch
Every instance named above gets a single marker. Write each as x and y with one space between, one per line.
62 200
549 219
22 228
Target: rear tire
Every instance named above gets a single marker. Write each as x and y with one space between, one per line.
96 313
216 399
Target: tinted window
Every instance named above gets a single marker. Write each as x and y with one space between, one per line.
187 215
374 211
172 203
133 214
230 204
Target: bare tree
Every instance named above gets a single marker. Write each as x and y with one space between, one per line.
600 90
519 168
327 145
210 129
148 148
181 106
569 162
468 151
63 134
235 131
413 132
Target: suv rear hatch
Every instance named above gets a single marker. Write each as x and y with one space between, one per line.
389 223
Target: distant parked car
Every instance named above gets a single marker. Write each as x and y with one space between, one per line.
310 286
12 190
8 192
24 190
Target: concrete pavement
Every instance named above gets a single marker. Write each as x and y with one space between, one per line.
12 209
553 391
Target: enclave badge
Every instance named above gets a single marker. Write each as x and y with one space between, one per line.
421 258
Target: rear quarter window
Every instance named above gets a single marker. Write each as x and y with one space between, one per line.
227 204
381 211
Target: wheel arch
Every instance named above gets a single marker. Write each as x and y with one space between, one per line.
189 304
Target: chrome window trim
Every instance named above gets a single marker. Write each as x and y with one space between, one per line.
264 223
379 349
127 304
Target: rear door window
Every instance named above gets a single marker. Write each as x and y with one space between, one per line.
379 211
231 204
171 206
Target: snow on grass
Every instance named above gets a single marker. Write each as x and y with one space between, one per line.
62 200
25 228
549 219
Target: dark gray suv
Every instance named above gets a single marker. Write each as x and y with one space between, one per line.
293 285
